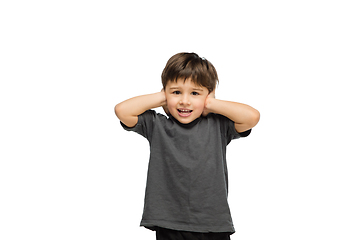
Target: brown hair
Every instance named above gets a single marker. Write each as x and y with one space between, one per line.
190 65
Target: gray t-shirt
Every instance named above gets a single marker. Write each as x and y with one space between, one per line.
187 182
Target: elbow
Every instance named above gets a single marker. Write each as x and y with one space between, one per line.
255 117
123 113
118 110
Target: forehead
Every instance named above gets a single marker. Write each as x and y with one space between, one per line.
187 84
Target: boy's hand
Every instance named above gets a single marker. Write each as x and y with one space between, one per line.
164 106
206 110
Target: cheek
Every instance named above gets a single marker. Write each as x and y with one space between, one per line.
200 104
171 103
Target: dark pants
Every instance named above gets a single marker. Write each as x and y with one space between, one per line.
168 234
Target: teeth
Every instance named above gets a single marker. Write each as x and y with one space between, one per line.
184 111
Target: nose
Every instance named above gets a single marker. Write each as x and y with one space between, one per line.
185 100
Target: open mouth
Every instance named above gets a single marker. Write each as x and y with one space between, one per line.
184 111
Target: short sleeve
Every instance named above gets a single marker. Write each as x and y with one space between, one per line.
228 127
144 125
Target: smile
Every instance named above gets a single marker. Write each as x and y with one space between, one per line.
184 112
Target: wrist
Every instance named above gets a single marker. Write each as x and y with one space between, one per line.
162 98
207 107
209 103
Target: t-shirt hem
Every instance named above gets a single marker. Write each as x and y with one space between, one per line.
152 225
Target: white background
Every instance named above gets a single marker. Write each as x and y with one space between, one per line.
69 171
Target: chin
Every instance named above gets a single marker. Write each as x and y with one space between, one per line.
187 120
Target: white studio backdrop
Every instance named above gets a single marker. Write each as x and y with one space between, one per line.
69 171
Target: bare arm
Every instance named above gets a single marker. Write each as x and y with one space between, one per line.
129 110
244 116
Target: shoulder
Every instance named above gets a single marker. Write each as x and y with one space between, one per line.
147 122
152 114
214 117
226 125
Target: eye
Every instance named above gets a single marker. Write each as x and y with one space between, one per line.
195 93
176 92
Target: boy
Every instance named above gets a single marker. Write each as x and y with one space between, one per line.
187 182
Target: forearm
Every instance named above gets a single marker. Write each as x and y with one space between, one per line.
128 110
244 116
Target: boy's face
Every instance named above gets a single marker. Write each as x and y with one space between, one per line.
185 100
